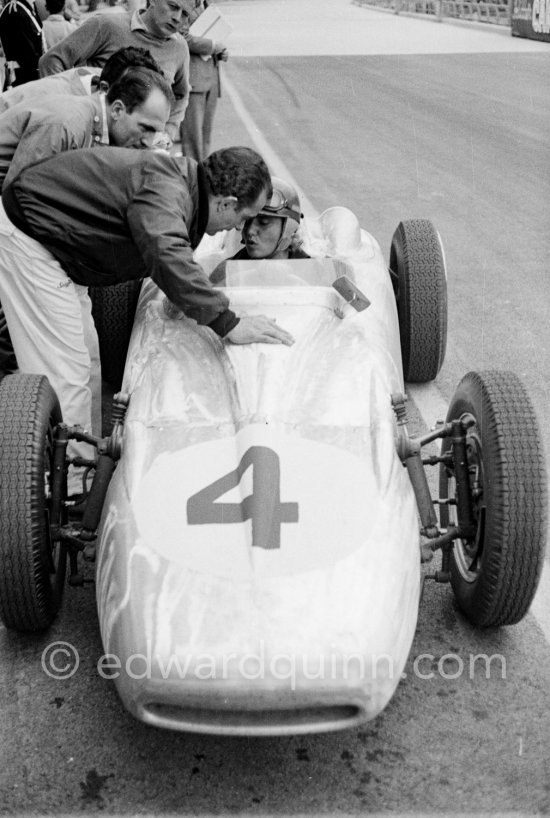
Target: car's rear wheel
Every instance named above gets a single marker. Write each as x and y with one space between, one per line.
113 310
495 574
417 267
32 565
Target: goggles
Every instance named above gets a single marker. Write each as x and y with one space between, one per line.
279 206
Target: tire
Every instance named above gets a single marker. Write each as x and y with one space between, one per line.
495 575
113 310
417 267
32 567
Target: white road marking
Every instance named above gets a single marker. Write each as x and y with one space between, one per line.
431 404
275 164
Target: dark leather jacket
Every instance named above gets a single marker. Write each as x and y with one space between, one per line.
114 214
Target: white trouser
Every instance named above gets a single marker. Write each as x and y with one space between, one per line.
51 326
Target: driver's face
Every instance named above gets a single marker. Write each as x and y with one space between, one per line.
261 235
165 17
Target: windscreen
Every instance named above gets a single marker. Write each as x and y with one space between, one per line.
303 272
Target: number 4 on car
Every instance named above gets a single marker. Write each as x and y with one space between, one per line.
263 506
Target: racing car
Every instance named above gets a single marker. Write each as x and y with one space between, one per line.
259 514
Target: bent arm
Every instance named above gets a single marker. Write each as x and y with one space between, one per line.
157 219
78 48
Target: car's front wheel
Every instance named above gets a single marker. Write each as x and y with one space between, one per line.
32 565
495 573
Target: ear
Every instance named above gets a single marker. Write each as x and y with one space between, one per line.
117 108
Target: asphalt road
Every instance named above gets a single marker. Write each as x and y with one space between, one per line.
460 138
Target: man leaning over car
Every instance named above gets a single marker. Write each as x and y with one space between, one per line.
149 212
135 108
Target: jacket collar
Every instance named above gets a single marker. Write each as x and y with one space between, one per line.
100 130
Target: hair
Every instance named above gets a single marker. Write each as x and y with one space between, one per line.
239 172
55 6
135 85
125 58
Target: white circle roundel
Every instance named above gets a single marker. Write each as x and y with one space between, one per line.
261 502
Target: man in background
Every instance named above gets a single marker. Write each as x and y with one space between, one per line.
56 27
155 29
22 41
196 129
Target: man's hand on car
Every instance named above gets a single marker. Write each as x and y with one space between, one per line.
259 329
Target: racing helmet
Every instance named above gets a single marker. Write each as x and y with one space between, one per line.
284 204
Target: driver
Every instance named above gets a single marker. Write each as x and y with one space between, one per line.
273 233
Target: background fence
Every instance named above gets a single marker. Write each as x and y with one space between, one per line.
497 13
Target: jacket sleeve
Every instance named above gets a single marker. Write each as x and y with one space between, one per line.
157 219
78 48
